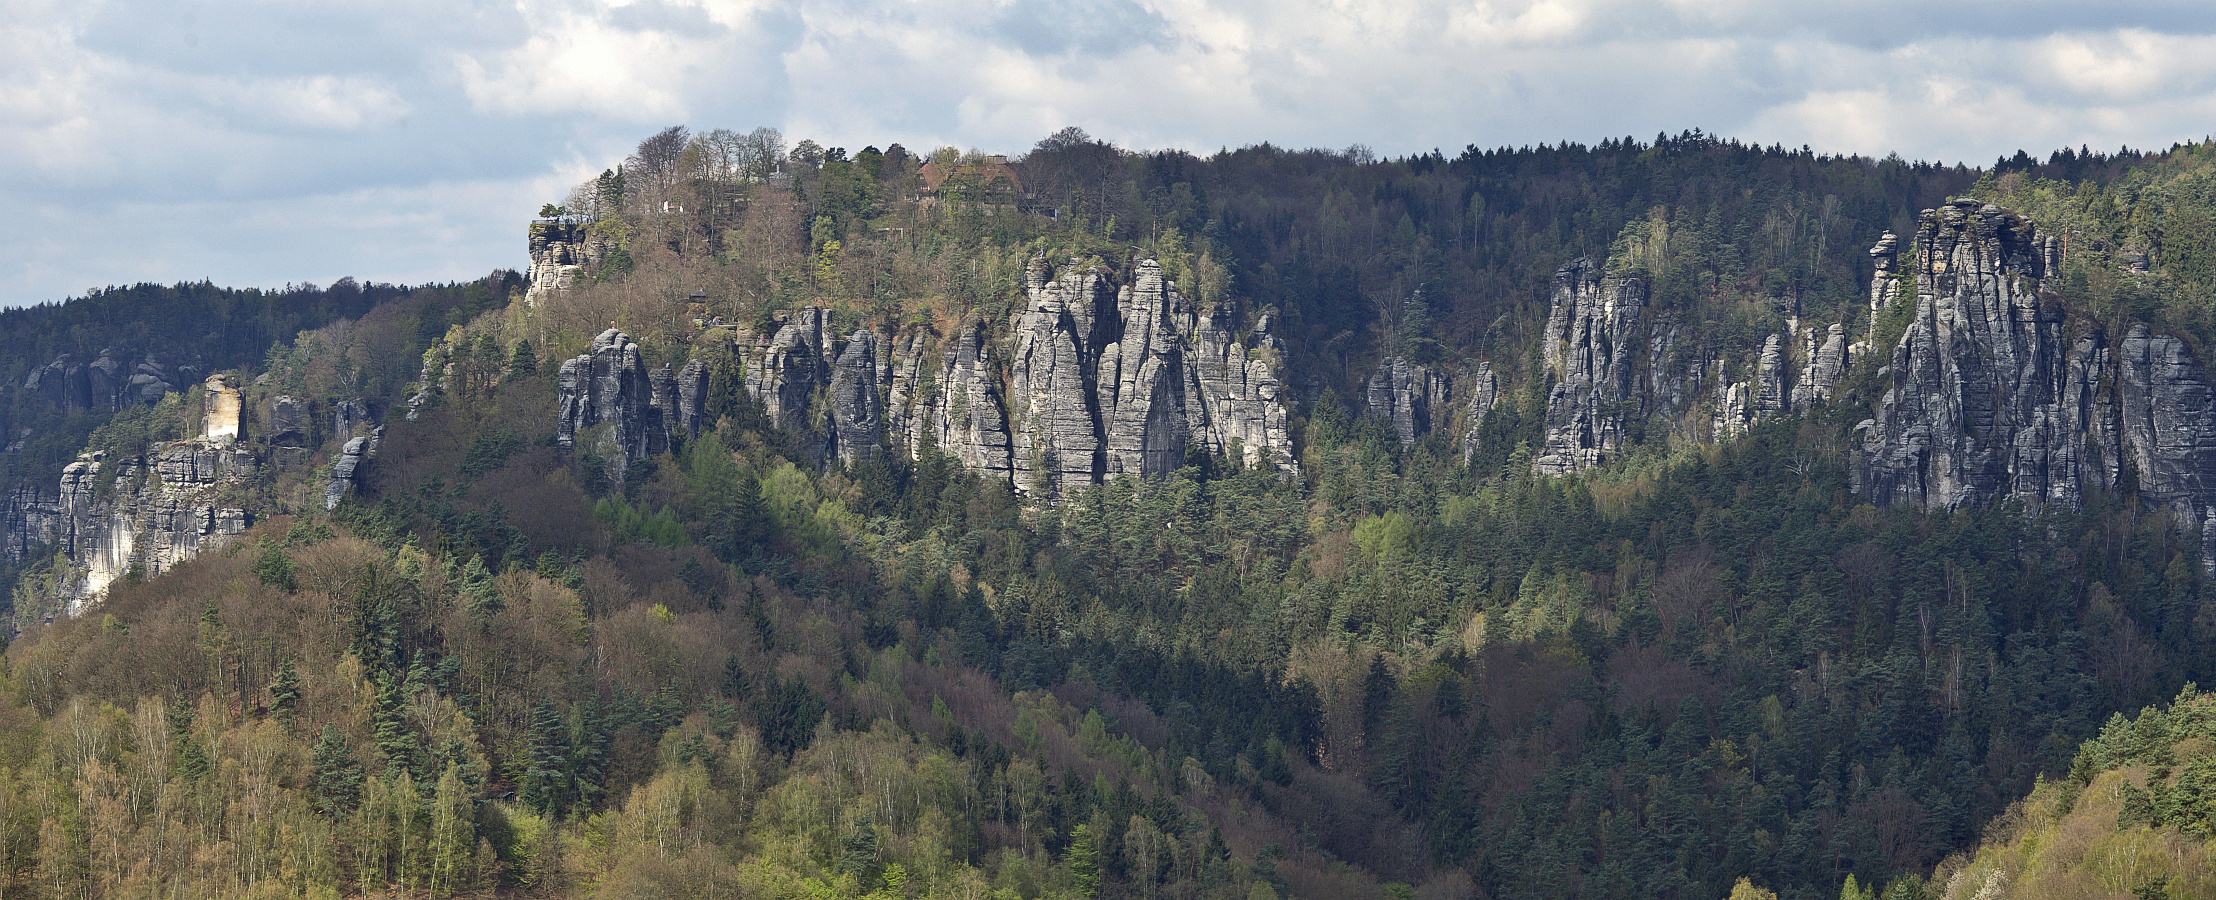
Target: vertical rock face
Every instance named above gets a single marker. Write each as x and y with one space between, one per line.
609 385
857 424
1104 376
350 416
106 383
1484 393
32 517
1144 379
291 422
1238 391
1827 364
2168 424
1972 413
1618 376
223 412
560 251
1407 395
1884 255
1604 383
689 399
1760 397
1052 405
158 512
1992 399
960 410
784 375
342 471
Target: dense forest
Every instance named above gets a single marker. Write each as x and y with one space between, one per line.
1709 669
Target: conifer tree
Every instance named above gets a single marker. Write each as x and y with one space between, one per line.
548 740
335 773
284 692
525 360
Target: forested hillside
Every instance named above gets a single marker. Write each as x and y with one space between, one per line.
512 661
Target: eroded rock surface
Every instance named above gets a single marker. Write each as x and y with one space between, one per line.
1104 375
1994 397
106 383
1610 358
560 252
1408 395
609 385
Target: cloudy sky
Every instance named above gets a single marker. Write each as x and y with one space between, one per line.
260 142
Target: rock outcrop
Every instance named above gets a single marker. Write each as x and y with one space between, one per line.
1053 403
1994 396
1827 365
1238 385
959 411
1484 394
342 471
1610 357
1406 394
1102 388
106 383
1760 397
609 386
857 426
158 511
222 404
1104 376
1619 375
561 249
1974 410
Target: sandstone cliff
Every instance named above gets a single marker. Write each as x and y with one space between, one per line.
106 517
160 510
1103 375
609 386
560 252
106 383
1408 395
1610 357
1994 395
1622 372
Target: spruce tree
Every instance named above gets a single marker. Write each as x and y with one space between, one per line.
543 787
336 775
284 692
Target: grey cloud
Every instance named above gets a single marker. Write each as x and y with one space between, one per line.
194 141
1090 27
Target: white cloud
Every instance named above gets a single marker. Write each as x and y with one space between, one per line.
408 139
321 101
576 63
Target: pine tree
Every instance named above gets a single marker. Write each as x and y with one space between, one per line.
476 590
336 775
396 742
525 360
543 788
1084 861
284 692
274 568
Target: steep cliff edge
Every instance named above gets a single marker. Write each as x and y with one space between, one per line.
1994 395
1104 375
561 250
1974 409
113 516
1623 371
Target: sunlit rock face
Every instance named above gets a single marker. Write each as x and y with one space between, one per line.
1098 374
1994 396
